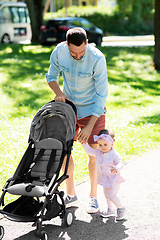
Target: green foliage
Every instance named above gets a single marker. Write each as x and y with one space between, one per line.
124 6
79 11
132 104
127 18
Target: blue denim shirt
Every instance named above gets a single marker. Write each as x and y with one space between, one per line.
85 81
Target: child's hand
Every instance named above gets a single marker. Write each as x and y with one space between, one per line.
113 170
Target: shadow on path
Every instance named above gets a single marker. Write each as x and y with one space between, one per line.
98 228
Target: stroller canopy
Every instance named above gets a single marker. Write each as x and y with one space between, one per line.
54 120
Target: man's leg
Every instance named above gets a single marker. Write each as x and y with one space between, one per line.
70 188
71 198
93 173
93 204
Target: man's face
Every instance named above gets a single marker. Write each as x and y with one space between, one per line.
77 52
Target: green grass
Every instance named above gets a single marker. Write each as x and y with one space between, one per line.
132 104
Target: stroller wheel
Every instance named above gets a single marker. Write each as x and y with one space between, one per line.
68 219
42 235
1 232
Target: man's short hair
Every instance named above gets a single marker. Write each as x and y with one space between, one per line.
76 36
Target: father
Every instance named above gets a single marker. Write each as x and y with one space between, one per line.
85 84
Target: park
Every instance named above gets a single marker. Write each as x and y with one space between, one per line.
132 103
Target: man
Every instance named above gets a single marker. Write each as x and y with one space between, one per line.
85 83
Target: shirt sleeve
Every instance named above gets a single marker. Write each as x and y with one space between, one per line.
54 69
101 86
118 162
89 150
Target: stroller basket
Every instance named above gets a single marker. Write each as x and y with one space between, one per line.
24 209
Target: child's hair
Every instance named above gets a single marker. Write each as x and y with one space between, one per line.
108 132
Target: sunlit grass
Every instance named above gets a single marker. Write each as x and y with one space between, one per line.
133 109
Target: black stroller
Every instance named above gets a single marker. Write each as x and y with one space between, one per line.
37 176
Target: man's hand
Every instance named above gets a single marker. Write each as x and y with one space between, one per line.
84 134
60 98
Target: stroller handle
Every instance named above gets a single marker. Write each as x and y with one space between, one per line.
71 104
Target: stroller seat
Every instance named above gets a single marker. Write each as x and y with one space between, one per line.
46 161
49 161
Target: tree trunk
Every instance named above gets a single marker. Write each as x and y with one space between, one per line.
35 8
156 57
46 7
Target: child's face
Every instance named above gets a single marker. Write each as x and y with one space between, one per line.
104 146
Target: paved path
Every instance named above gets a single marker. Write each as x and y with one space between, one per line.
128 41
140 194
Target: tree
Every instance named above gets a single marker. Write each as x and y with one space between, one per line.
35 8
156 57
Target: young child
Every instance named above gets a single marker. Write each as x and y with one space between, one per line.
109 164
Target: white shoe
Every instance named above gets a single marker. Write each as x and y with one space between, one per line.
93 206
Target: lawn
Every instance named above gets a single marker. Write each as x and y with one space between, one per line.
133 109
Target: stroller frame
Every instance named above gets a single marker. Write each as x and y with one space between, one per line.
25 179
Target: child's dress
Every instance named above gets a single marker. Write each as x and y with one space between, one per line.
104 161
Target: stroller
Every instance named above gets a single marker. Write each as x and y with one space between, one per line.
37 177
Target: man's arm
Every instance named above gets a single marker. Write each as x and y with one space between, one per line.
53 75
60 96
101 87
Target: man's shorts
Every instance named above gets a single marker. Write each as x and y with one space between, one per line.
81 123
